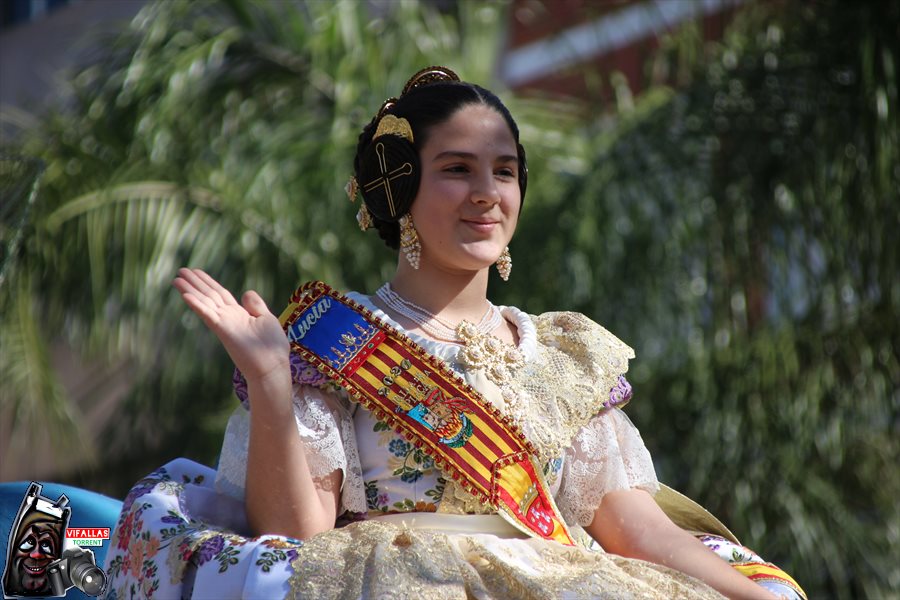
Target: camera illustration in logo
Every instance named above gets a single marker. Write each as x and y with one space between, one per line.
39 563
76 568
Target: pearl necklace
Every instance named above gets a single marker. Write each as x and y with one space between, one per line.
431 323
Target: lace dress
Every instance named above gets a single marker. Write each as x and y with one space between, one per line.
406 531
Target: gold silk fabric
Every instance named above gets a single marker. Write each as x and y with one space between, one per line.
550 397
372 559
568 382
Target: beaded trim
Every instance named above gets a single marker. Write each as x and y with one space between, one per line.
434 325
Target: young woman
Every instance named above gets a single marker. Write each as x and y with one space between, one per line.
475 451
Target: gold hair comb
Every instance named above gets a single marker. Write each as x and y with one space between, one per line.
429 75
391 125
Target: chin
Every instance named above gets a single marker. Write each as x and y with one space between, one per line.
480 263
485 253
462 267
468 258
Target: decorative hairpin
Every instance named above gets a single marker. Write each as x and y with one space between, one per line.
351 188
429 75
363 217
389 168
392 125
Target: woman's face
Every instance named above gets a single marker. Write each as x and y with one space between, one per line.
468 201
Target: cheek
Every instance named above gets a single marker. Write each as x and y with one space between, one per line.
434 204
512 209
514 206
442 192
513 221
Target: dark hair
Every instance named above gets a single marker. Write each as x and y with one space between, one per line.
427 106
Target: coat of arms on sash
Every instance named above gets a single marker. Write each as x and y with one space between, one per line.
427 404
443 416
425 401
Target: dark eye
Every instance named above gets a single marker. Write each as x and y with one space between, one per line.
46 548
506 172
27 545
457 169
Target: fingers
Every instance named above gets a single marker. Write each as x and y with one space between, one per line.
203 294
254 304
206 297
201 307
215 287
201 284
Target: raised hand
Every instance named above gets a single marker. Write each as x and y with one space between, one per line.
251 334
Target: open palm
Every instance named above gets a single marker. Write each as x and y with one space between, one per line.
251 334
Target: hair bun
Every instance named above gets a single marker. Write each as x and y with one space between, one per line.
389 177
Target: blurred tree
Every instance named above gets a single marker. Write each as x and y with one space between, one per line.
736 233
210 134
741 233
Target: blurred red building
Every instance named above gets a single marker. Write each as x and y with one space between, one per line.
550 42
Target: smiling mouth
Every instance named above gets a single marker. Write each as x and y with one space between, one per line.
481 225
34 570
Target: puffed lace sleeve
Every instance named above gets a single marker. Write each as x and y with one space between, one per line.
324 425
607 454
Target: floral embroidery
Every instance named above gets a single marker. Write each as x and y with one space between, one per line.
270 559
301 372
164 529
728 550
484 351
411 465
374 499
399 447
620 393
408 462
210 549
437 492
552 470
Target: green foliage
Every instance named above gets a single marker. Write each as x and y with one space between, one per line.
738 233
742 236
217 135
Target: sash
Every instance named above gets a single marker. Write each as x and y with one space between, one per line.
421 398
760 572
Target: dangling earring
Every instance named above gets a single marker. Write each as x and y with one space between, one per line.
504 264
364 217
409 241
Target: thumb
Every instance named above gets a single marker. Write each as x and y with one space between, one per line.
254 304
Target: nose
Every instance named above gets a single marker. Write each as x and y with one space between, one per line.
485 190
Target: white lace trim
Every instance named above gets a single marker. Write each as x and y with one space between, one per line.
447 352
606 455
326 429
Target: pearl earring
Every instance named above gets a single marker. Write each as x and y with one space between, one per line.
504 264
409 241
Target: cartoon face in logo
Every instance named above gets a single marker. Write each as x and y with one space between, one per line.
37 546
35 541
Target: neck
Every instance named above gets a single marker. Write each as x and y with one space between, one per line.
451 296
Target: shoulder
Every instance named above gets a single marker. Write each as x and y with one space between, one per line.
582 338
575 372
585 355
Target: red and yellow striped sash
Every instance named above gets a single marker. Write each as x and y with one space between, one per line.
425 401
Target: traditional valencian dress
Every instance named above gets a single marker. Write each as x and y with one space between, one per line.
406 530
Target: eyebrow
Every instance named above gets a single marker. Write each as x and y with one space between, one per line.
506 158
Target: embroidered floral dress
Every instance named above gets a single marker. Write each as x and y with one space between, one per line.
183 529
